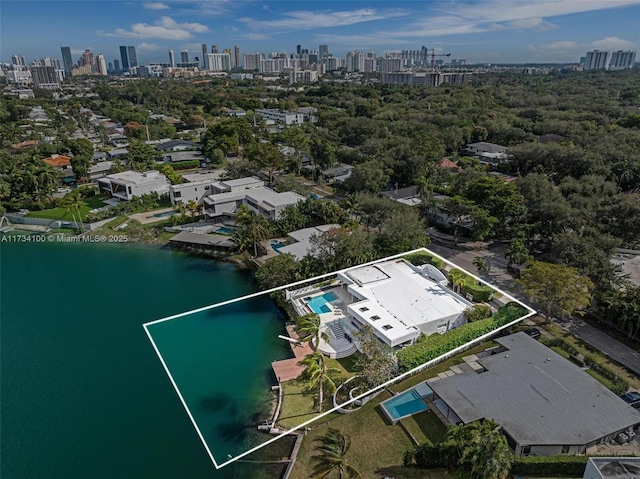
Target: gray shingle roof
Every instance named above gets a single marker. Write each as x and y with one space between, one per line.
537 396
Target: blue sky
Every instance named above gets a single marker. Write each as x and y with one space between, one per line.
495 31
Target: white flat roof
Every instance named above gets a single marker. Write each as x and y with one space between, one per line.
273 198
135 177
242 182
401 297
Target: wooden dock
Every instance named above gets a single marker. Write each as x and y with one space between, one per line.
289 369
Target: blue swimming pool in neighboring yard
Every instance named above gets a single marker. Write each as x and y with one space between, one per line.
276 245
318 304
407 403
166 213
224 231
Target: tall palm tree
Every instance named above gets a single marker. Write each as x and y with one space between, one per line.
73 201
253 226
308 328
332 452
317 375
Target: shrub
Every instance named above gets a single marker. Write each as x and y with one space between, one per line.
548 466
469 286
438 344
422 257
477 312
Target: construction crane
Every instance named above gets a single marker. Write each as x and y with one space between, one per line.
433 58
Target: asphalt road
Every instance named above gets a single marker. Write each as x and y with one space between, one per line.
500 277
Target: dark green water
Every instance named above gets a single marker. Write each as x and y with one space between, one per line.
83 392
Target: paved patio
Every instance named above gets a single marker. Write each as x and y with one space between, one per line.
289 369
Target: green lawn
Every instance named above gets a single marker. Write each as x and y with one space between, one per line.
601 379
298 405
62 213
375 444
425 427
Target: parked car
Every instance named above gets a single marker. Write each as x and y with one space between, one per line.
632 398
533 332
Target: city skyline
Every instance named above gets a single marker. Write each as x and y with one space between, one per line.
481 31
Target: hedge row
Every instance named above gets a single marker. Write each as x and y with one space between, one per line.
548 466
470 286
438 344
619 385
422 257
443 455
179 165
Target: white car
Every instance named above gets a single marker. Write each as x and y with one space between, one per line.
64 190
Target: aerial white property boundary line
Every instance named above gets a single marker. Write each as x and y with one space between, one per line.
453 352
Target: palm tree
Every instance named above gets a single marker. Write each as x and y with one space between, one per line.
308 328
194 208
481 264
73 201
317 375
253 227
332 452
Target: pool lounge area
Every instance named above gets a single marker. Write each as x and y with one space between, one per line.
319 304
407 403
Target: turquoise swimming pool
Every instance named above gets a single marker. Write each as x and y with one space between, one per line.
407 403
318 304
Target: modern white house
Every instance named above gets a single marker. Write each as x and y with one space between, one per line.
487 152
262 200
397 300
400 302
281 116
199 189
128 184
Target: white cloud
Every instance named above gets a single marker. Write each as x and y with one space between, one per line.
311 20
614 43
155 6
166 28
571 51
148 47
534 23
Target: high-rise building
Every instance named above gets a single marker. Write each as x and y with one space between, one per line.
323 52
184 56
101 65
236 56
45 77
116 66
217 62
228 51
124 58
172 59
87 58
110 67
66 59
19 60
133 59
252 61
214 48
597 60
621 60
205 50
388 65
355 61
299 49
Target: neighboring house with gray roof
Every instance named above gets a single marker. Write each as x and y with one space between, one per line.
545 404
301 245
487 152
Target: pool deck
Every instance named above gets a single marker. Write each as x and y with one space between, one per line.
147 217
289 369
